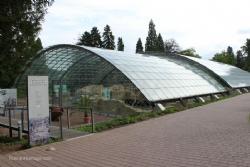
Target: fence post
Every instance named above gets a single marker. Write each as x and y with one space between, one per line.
22 118
68 117
92 120
61 129
20 129
10 126
61 109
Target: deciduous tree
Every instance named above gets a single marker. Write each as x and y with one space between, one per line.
246 50
239 59
20 23
189 52
171 46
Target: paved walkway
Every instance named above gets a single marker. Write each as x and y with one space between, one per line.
215 135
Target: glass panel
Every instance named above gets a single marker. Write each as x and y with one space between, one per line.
234 76
158 78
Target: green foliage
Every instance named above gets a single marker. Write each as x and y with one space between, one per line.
230 56
20 23
92 38
84 104
171 46
246 50
239 59
95 38
137 117
120 44
139 47
220 57
85 39
226 57
151 40
160 43
124 120
189 52
108 38
5 140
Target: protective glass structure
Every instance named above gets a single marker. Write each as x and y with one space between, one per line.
159 78
142 77
233 76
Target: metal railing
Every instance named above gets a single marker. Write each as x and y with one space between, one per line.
60 111
9 116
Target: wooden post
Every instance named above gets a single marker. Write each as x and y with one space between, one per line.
22 118
61 129
10 126
68 117
92 120
61 109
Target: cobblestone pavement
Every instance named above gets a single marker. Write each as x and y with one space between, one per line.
215 135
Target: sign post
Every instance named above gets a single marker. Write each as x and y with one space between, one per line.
38 110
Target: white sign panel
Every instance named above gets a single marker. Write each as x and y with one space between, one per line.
38 100
8 97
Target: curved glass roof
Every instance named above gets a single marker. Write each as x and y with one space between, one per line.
157 78
234 76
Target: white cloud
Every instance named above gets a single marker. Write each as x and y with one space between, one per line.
207 25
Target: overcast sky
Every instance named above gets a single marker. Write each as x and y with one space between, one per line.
209 26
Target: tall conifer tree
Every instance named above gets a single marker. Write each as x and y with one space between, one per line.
95 38
151 40
108 38
85 39
139 47
160 43
120 44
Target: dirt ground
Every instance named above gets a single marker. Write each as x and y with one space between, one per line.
76 119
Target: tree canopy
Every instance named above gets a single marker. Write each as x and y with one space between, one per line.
151 40
226 57
160 43
85 39
108 38
120 44
139 47
246 50
95 38
20 23
189 52
239 59
92 38
171 46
